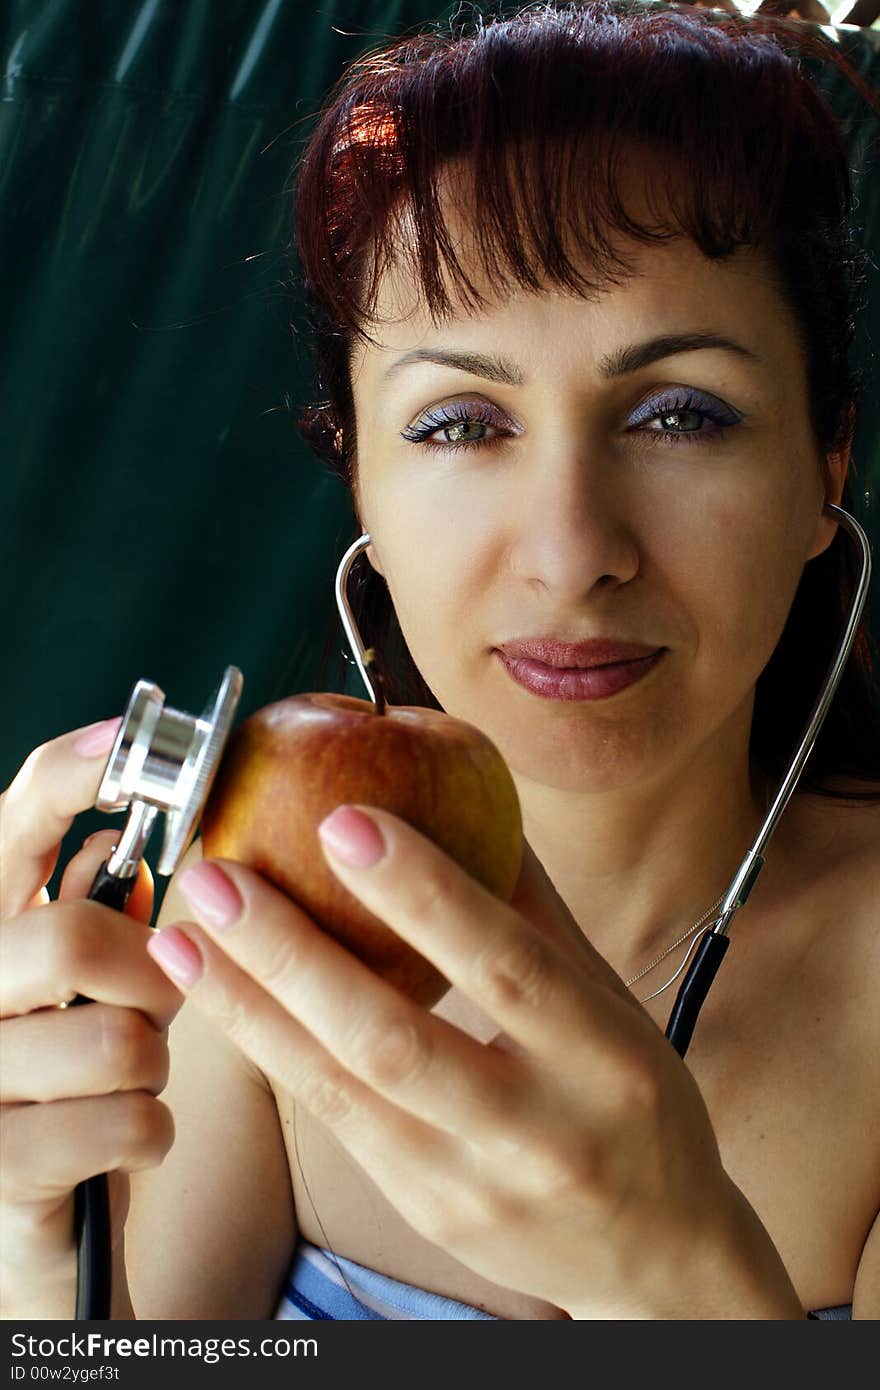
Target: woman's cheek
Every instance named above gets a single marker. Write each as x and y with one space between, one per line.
749 584
439 571
436 630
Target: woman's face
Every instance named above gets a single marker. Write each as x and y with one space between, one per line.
673 504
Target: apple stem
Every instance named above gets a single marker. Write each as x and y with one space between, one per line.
378 684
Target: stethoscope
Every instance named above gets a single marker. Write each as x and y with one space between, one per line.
164 760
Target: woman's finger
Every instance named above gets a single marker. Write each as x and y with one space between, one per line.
77 1045
54 784
420 1062
517 975
390 1144
421 1170
63 949
127 1130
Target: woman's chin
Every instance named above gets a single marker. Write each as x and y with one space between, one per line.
588 760
591 746
587 780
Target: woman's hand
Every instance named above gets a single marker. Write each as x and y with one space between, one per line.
78 1087
571 1157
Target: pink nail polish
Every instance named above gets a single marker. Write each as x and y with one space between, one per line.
353 836
213 896
97 738
174 953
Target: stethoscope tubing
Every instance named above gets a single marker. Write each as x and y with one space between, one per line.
714 942
91 1198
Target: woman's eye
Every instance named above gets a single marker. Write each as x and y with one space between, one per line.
684 415
688 416
462 427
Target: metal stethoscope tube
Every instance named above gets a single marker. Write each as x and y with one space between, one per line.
165 760
715 940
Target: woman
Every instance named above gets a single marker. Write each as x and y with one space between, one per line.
599 436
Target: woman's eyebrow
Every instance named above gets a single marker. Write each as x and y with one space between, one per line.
617 363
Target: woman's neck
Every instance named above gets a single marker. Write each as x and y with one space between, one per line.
638 865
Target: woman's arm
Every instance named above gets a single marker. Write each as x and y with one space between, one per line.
211 1232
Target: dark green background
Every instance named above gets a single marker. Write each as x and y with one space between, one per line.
160 516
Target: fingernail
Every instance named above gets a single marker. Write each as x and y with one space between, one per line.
353 836
98 738
212 895
179 957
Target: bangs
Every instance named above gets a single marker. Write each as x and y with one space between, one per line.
532 126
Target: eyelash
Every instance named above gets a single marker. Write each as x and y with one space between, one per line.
471 414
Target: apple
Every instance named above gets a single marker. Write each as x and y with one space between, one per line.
291 763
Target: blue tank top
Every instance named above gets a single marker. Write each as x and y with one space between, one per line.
326 1287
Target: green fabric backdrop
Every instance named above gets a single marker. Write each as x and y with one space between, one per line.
161 518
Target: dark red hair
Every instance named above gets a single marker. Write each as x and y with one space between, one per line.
758 159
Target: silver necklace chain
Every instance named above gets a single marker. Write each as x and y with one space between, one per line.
669 949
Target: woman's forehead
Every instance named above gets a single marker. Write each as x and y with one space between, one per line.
672 288
623 278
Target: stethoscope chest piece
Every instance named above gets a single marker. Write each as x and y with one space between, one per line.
165 760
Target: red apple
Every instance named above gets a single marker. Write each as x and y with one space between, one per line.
293 762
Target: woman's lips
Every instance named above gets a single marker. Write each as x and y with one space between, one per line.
576 682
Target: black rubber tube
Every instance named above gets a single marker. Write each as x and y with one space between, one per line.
91 1198
94 1249
694 988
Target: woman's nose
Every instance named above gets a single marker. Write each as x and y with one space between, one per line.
573 532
